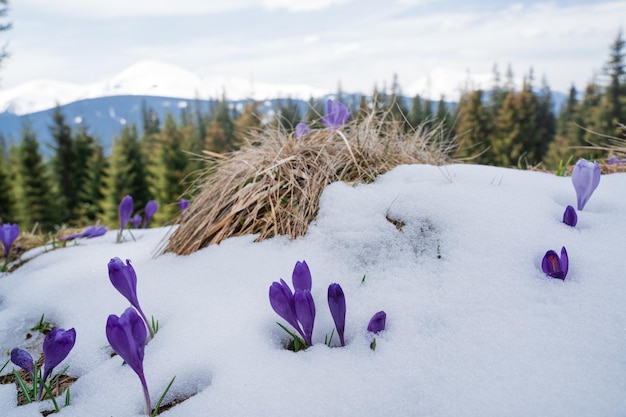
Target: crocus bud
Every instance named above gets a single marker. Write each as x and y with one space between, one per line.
56 346
151 208
337 306
585 177
282 302
336 115
554 266
183 204
8 233
377 322
127 336
125 210
136 221
301 130
22 358
570 217
301 276
305 313
124 279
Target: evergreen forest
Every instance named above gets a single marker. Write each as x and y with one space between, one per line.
82 183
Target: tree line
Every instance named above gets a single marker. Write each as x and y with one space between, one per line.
82 184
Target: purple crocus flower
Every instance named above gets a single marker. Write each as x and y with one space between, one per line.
301 130
337 306
136 221
570 217
183 204
377 322
22 358
126 210
151 208
336 115
585 177
124 279
56 346
94 231
89 232
127 336
554 266
8 233
614 160
282 302
301 276
305 313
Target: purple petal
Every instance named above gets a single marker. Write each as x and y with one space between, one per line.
136 221
377 322
124 279
337 306
125 210
553 266
56 346
22 358
301 130
301 276
183 204
282 303
8 233
127 336
570 217
151 208
305 313
564 262
336 115
585 178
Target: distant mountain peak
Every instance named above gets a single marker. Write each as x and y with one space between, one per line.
144 78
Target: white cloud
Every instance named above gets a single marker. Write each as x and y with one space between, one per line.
301 5
134 8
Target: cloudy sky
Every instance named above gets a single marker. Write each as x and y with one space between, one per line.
432 45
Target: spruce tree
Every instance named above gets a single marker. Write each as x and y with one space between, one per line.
63 167
5 26
247 122
473 127
615 93
172 170
34 200
127 174
7 201
93 188
84 148
416 115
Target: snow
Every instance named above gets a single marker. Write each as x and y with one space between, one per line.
474 327
145 78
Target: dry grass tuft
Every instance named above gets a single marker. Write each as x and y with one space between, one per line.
272 185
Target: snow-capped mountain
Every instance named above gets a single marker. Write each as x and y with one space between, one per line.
145 78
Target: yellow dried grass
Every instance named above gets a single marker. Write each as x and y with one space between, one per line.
272 185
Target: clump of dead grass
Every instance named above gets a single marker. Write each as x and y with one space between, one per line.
271 186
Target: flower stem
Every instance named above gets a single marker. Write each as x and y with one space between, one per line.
146 394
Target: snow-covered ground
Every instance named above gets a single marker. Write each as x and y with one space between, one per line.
474 327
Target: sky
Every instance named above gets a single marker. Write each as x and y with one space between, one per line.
474 327
434 47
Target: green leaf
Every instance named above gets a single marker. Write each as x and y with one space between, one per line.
22 385
158 404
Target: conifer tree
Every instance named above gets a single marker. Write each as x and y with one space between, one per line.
398 110
615 93
7 201
172 169
3 27
84 148
314 113
34 201
127 174
473 127
287 114
247 122
442 116
63 167
416 115
94 185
